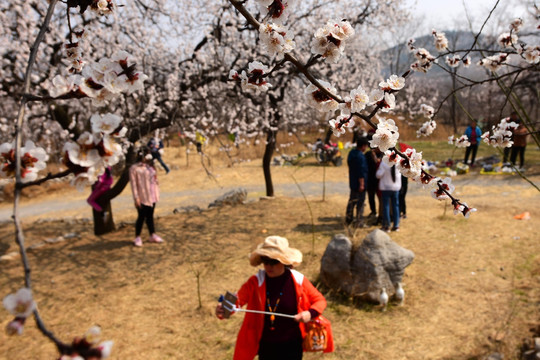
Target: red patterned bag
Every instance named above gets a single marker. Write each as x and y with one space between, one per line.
318 336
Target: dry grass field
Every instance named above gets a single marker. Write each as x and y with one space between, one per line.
473 288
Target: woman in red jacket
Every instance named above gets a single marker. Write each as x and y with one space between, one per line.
276 289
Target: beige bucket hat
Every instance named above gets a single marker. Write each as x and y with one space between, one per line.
276 247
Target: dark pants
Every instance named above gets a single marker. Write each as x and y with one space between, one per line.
473 148
402 194
291 350
372 193
146 213
515 151
157 156
356 200
506 154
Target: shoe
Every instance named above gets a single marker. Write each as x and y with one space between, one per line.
385 229
138 241
396 229
155 239
404 216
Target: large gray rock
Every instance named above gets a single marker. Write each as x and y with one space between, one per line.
233 197
335 264
363 271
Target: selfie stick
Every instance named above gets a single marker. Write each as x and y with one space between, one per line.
229 306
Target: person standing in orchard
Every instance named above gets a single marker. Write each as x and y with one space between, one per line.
276 289
358 178
474 134
145 190
389 184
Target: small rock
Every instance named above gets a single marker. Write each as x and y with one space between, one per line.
495 356
11 256
537 343
529 355
35 246
54 240
71 236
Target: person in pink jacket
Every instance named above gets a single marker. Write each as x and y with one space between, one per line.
145 190
276 289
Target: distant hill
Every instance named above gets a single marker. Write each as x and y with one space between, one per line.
400 58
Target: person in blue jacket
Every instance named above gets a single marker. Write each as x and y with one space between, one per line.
358 177
155 144
474 134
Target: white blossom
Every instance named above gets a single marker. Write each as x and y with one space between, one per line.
494 62
276 39
319 100
106 123
393 83
441 42
507 40
21 304
385 136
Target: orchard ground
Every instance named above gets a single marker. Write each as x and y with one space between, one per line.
473 288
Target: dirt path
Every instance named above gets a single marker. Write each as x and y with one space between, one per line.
74 204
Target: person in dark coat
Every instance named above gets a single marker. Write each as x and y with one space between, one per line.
358 180
373 158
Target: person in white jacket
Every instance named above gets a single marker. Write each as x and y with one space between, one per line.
389 184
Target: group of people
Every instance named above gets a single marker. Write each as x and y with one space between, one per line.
519 139
367 173
144 188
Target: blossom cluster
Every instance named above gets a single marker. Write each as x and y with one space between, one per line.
276 39
74 52
456 59
501 134
409 164
89 346
429 126
91 153
254 79
33 159
330 39
441 42
101 80
493 63
386 135
424 60
461 142
357 100
21 305
103 7
277 10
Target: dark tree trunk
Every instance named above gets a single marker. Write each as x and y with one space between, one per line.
327 136
453 109
267 159
103 221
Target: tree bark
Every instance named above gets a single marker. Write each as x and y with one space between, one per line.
267 159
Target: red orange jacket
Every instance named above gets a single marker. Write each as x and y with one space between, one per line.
253 293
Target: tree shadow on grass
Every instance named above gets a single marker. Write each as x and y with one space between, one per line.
103 246
328 227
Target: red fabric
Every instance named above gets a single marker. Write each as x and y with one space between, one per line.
403 147
249 336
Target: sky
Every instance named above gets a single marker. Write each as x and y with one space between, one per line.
445 14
